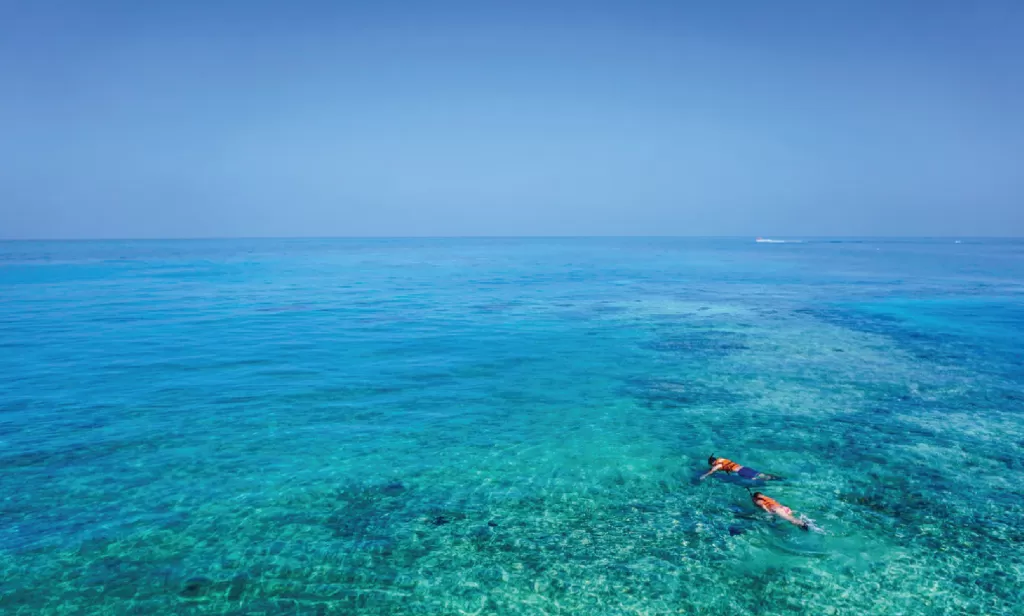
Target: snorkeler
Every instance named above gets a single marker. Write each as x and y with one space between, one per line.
724 464
774 507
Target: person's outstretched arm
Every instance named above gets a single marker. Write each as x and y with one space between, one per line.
714 468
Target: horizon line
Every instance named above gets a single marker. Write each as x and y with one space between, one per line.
202 238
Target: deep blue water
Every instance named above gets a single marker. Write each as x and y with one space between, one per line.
510 426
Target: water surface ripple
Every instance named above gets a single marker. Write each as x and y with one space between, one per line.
510 426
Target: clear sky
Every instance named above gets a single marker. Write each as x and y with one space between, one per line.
247 118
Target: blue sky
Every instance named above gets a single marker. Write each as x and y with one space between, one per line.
199 119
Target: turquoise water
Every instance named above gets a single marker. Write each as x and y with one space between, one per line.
510 426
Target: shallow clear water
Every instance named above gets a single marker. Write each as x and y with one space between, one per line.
510 426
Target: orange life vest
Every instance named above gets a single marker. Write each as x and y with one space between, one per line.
728 465
769 503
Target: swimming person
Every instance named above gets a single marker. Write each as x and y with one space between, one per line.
774 507
724 464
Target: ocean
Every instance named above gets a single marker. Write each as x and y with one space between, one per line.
510 426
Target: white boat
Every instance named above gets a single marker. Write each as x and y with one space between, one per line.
762 240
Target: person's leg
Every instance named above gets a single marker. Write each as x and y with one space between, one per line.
788 516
